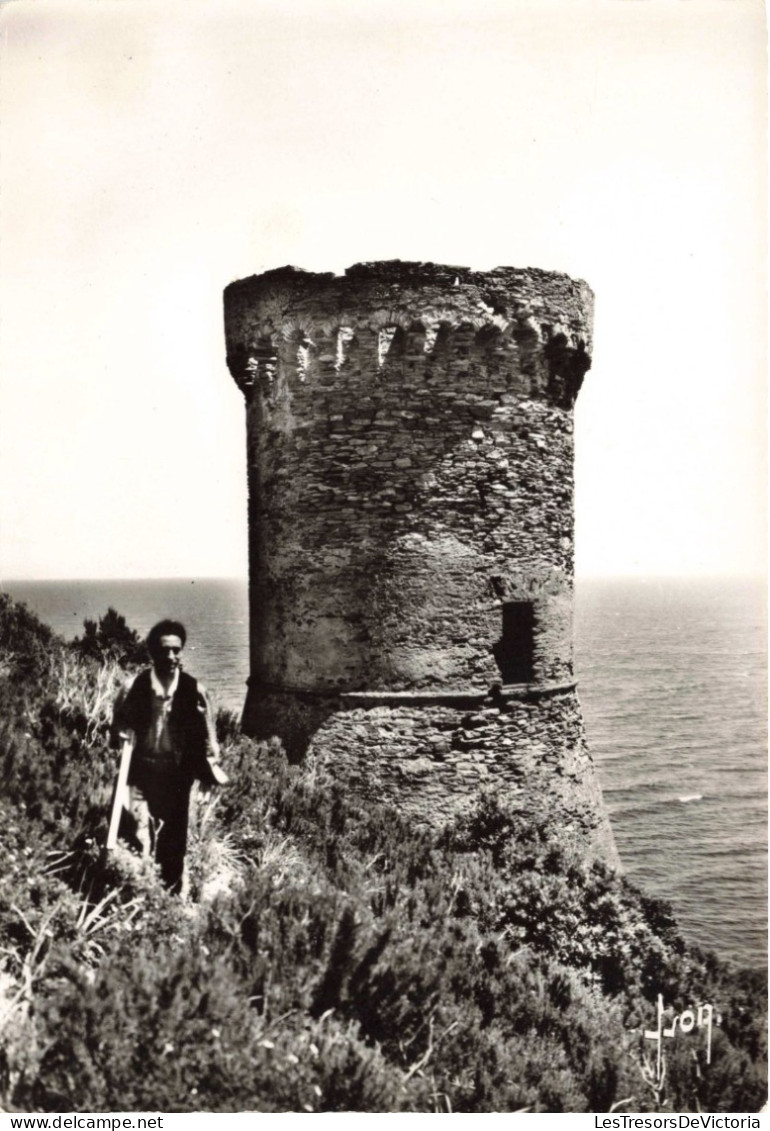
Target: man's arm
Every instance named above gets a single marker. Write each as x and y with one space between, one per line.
122 737
206 709
122 726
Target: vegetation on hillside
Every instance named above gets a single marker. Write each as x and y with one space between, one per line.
328 957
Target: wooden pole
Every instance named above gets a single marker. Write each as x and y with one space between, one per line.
121 793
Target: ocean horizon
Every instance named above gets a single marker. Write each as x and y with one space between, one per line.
673 686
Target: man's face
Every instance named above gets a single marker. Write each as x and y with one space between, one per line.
167 655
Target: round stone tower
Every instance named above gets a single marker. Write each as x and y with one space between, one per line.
410 455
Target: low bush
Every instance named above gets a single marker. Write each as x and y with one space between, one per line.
111 640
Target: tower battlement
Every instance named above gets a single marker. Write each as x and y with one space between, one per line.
406 319
410 451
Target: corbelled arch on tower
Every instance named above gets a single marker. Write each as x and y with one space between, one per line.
410 460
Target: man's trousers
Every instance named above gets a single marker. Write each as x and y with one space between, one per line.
160 804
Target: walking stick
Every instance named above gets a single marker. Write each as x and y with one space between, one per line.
121 792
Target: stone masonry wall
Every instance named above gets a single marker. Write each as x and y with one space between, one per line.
433 758
410 451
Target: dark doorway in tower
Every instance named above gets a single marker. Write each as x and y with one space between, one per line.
514 650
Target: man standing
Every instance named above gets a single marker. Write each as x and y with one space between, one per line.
168 716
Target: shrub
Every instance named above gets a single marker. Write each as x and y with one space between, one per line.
110 639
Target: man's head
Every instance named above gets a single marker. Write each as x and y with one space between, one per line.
165 642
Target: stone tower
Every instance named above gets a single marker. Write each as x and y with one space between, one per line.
410 456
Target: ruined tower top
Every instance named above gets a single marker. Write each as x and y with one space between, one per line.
544 316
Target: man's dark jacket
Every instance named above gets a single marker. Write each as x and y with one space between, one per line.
187 724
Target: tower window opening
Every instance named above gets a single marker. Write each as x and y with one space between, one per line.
345 336
262 366
304 356
514 651
384 339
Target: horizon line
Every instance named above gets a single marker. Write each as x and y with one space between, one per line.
636 575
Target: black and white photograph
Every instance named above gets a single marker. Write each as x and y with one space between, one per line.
383 580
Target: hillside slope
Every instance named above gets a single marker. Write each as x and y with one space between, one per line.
327 957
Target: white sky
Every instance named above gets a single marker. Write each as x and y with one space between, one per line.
150 153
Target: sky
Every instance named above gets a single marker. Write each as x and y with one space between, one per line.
150 153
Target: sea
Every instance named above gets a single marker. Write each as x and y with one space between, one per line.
673 685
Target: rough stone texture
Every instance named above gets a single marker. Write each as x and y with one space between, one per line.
410 451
